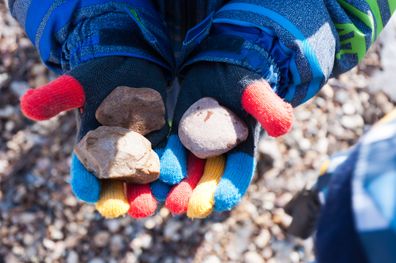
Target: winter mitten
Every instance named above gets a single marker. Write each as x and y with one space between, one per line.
84 88
219 182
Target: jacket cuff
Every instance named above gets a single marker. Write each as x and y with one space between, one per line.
251 48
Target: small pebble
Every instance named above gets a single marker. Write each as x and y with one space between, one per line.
208 129
263 238
348 109
72 257
253 257
101 239
19 88
117 244
212 259
352 122
96 260
171 229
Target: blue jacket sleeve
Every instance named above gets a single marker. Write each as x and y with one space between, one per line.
67 33
322 38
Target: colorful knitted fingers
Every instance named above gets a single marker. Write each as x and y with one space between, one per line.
114 202
179 196
84 88
223 179
202 199
211 184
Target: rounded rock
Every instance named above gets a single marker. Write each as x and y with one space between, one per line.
208 129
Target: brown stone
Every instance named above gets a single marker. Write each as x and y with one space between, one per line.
208 129
138 109
118 153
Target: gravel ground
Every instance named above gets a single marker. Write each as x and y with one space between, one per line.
41 221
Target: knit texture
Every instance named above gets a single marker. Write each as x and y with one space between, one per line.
202 199
179 196
84 184
275 115
175 157
63 94
160 190
112 202
141 201
251 98
85 87
236 179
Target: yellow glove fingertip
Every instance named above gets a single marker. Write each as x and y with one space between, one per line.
113 202
202 199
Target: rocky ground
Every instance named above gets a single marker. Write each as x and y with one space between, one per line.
41 221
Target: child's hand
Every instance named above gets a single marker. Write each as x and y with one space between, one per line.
84 88
221 182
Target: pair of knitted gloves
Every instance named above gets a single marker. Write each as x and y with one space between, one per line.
186 183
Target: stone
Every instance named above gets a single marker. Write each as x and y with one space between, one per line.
117 243
212 259
208 129
253 257
141 110
118 153
7 112
349 108
4 78
96 260
19 88
263 239
55 233
72 257
352 122
113 225
101 239
171 230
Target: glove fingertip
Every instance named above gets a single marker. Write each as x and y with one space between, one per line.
141 200
173 162
84 184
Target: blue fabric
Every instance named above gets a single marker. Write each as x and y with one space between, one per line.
45 24
317 74
84 184
160 190
173 161
374 188
336 239
325 38
253 49
357 222
236 179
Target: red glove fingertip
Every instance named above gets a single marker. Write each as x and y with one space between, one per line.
64 93
273 113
